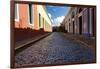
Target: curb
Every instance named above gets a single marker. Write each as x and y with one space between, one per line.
31 42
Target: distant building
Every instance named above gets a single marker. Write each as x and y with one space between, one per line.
81 20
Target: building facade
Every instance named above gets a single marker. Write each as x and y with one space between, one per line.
31 19
44 19
32 16
81 20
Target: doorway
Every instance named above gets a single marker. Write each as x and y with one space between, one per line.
93 21
73 27
80 25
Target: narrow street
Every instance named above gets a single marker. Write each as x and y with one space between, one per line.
55 49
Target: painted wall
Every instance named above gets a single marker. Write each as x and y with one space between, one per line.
21 10
23 20
87 24
45 22
24 29
67 22
23 17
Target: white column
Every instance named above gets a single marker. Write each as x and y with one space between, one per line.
90 24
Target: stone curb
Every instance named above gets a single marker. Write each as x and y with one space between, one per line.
32 41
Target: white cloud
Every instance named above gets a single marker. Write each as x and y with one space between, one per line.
49 15
58 20
52 20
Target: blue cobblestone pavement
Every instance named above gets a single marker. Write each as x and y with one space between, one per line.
55 49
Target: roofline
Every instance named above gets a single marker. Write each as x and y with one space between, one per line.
47 13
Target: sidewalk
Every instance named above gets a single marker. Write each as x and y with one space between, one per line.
21 44
87 41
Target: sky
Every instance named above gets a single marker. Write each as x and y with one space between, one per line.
57 13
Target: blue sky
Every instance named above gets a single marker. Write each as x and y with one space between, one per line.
57 13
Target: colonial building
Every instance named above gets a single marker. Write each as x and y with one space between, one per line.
31 20
32 16
44 19
81 20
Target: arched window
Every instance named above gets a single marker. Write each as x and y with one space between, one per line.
72 14
80 9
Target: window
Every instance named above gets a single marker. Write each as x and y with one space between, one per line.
39 20
80 9
16 12
30 13
69 27
43 23
72 14
69 19
66 21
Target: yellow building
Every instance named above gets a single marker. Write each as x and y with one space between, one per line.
44 19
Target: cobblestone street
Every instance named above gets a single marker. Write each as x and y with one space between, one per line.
55 49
